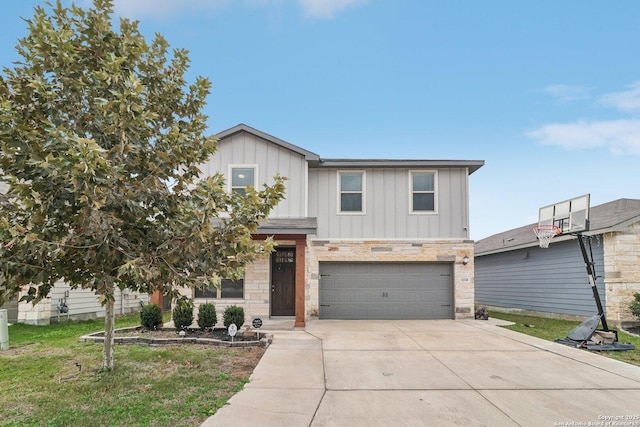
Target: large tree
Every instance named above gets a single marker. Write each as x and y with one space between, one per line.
100 142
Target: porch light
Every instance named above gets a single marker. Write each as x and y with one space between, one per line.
465 260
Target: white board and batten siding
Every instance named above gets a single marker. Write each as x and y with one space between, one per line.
246 149
387 205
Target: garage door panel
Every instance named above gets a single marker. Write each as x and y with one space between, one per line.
354 290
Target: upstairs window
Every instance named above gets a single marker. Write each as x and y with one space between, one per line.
423 192
242 177
351 191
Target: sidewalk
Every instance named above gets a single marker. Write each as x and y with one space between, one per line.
285 388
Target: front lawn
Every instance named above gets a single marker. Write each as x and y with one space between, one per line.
49 378
550 329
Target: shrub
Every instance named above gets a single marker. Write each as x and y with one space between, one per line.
207 317
151 316
183 313
233 314
635 305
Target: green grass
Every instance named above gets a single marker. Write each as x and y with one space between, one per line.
151 386
551 329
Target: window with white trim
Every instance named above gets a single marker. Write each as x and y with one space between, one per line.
423 191
351 191
242 176
232 289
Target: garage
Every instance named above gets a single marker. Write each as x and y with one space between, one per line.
386 290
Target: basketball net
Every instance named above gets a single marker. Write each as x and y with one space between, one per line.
546 232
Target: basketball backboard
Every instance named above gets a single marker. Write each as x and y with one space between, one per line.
571 216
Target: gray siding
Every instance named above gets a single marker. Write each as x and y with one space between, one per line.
84 304
271 159
387 208
12 310
550 280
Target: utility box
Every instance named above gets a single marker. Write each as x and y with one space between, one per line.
4 329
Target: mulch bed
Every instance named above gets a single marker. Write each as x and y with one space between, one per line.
169 336
217 334
634 330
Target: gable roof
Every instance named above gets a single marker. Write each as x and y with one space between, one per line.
607 217
308 155
316 162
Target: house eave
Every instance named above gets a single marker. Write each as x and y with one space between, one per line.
472 165
531 244
288 226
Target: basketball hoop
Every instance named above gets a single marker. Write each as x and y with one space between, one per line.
546 232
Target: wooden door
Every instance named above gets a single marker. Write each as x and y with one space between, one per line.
283 282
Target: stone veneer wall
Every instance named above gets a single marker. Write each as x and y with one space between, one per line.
621 273
256 294
452 251
39 314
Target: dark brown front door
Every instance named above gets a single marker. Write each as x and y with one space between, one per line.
283 282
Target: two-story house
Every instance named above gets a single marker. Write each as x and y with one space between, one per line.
356 239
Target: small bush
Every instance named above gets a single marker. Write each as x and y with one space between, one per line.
183 313
233 314
635 305
207 317
151 316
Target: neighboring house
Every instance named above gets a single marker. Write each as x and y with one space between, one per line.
513 272
356 238
81 304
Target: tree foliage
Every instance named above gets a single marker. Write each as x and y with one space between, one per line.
635 305
100 141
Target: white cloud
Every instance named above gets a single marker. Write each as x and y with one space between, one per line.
618 136
327 8
627 101
137 9
163 9
566 93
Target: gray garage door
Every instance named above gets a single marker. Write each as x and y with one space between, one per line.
362 290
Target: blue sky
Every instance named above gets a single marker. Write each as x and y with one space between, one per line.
547 93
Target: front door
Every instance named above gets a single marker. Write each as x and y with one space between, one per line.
283 282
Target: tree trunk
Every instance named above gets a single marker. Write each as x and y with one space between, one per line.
109 327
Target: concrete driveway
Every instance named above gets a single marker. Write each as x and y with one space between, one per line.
430 373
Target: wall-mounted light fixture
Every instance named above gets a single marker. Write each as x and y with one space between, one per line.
465 260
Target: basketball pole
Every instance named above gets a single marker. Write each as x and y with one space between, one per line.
591 272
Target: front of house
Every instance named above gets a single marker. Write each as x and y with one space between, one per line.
356 239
